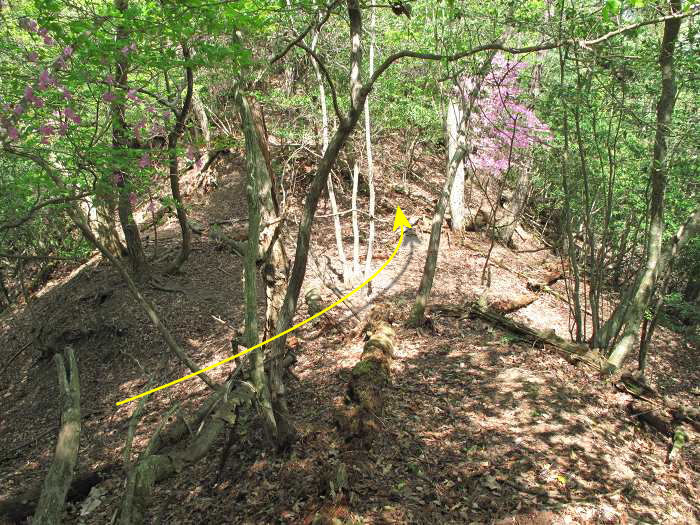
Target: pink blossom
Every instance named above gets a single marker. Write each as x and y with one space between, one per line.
46 130
45 80
28 92
33 57
152 207
12 133
19 109
109 79
72 115
66 94
131 94
132 198
144 161
118 178
48 40
62 129
60 62
37 101
109 97
125 50
200 163
30 25
67 51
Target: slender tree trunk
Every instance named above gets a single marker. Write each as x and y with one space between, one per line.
200 114
49 509
417 317
120 141
296 279
255 163
174 168
347 271
355 224
456 140
646 283
370 161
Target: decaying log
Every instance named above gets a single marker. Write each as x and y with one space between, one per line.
370 376
507 306
637 387
234 245
49 510
548 279
652 416
577 352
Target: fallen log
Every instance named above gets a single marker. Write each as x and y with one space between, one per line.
507 306
637 387
652 416
370 377
576 352
58 480
548 279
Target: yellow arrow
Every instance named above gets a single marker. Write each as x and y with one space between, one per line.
399 221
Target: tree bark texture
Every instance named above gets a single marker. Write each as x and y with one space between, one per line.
650 272
49 509
120 141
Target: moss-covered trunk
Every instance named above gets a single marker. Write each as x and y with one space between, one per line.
49 510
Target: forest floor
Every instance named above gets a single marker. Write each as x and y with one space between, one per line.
478 427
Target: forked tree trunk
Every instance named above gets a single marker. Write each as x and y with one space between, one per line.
49 509
639 301
296 279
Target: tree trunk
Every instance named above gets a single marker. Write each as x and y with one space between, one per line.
120 141
257 174
296 279
106 222
173 167
417 317
347 271
456 139
370 161
49 510
355 224
511 217
647 281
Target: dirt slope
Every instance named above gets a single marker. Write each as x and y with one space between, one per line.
478 427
